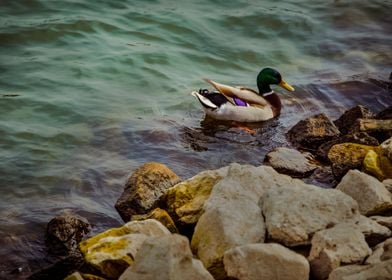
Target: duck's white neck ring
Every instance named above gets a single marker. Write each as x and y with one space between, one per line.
268 93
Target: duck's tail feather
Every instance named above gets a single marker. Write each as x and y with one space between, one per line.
204 101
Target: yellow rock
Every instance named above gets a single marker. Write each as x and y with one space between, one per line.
184 201
114 250
377 165
159 215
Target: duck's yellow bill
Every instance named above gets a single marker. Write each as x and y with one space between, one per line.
286 86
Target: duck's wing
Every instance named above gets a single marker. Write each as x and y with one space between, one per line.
243 93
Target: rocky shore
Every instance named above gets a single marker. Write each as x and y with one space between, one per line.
250 222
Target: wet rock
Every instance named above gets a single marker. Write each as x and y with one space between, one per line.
312 132
384 221
166 258
112 251
347 156
378 165
232 215
64 232
348 119
380 271
265 261
385 114
184 201
374 232
386 147
370 194
143 189
358 138
294 213
291 162
160 215
341 244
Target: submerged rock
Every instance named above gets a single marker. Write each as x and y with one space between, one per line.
341 244
265 261
312 132
294 213
64 232
112 251
232 215
143 189
347 156
166 258
370 194
348 119
184 201
291 162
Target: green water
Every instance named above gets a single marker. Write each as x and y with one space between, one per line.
89 90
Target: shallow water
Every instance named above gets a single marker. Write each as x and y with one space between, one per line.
89 90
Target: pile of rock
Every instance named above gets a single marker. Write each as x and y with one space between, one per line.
247 222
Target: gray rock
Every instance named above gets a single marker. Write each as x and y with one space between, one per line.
388 184
370 194
341 244
374 232
294 213
265 261
379 271
166 258
291 162
384 221
143 189
386 147
312 132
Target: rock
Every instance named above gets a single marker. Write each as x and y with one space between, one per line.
232 215
265 261
358 138
371 195
379 271
312 132
143 189
347 156
291 162
374 232
161 216
74 276
375 257
294 213
184 201
341 244
386 147
381 129
377 165
384 221
166 258
349 117
388 184
112 251
387 254
64 232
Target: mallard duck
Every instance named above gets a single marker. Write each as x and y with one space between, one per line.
243 104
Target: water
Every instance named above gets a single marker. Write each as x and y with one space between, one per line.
90 90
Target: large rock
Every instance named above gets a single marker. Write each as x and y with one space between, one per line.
378 271
386 147
341 244
64 232
312 132
358 138
347 156
294 213
112 251
370 194
143 189
348 119
232 215
166 258
265 261
184 201
291 162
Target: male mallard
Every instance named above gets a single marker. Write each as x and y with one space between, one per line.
243 104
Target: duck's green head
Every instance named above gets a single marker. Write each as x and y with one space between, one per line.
269 76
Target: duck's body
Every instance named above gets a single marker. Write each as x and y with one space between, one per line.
244 104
